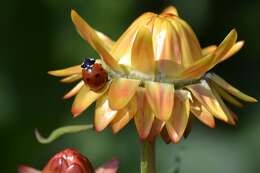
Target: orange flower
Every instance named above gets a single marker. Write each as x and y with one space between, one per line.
157 73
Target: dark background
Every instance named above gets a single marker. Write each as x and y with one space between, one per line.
38 35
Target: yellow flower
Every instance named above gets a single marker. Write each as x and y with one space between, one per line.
158 77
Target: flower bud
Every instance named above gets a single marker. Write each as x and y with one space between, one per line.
68 161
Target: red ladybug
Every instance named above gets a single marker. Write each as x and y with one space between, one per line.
94 76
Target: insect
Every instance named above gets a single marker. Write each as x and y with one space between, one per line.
94 76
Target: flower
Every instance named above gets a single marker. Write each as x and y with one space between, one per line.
71 161
157 72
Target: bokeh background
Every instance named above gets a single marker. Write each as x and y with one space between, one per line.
38 35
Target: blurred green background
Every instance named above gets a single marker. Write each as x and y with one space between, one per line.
37 36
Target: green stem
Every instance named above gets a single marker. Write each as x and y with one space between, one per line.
147 162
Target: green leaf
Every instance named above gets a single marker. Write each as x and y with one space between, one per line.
61 131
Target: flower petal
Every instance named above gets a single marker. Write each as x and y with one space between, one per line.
202 113
66 72
108 41
103 114
188 128
124 115
142 52
121 91
168 68
108 167
74 90
204 95
71 78
85 98
165 136
92 38
177 123
156 129
170 10
27 169
208 50
161 98
235 48
229 88
144 117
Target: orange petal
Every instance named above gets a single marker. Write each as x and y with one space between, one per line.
74 90
169 68
66 72
92 38
170 10
156 129
161 98
208 50
124 115
235 48
202 113
71 78
144 117
177 123
103 114
108 167
85 98
108 41
122 48
121 91
204 95
229 88
142 52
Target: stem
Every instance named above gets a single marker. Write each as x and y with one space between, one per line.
147 162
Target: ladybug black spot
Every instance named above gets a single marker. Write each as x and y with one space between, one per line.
97 75
88 79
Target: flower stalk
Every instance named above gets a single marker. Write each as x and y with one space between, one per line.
147 156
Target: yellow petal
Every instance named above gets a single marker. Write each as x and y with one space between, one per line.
208 50
235 48
170 10
74 90
227 96
92 38
188 128
168 68
142 52
177 123
122 48
71 78
144 117
204 95
167 43
85 98
66 72
161 98
103 114
121 91
108 41
229 88
202 113
124 115
156 129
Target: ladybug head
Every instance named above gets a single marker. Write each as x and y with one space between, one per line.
88 63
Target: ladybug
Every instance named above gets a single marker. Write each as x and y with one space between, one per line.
94 76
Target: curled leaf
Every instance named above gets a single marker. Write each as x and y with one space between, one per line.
61 131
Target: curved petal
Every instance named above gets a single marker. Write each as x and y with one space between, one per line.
108 41
144 116
85 98
233 50
177 123
161 98
108 167
156 129
202 113
92 38
142 52
103 114
74 90
229 88
204 95
71 78
121 91
170 10
168 68
208 50
66 71
124 115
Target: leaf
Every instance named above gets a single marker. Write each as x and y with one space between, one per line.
61 131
